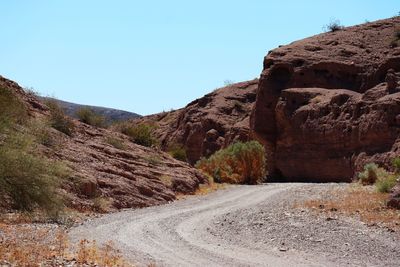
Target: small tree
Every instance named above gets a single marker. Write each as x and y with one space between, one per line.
333 26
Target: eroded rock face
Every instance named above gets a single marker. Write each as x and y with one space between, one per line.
210 123
131 177
324 106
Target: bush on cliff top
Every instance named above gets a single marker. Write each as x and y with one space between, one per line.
240 163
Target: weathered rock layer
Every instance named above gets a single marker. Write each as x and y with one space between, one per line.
209 123
103 175
328 104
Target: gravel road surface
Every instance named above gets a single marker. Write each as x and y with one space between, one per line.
244 226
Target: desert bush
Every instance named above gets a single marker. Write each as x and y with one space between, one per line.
396 164
115 142
88 116
333 26
154 160
101 204
141 134
386 181
28 181
369 175
58 119
12 110
240 163
177 151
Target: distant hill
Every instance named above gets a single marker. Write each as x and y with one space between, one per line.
109 113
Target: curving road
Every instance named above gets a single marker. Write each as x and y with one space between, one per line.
197 231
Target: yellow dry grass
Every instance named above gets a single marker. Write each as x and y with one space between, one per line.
40 245
204 189
359 202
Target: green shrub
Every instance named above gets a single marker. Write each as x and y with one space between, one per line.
369 175
88 116
240 163
115 142
58 119
385 182
177 151
12 110
154 160
28 181
141 134
396 164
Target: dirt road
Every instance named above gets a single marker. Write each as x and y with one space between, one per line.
243 226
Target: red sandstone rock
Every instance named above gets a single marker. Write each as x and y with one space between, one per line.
209 123
136 176
323 107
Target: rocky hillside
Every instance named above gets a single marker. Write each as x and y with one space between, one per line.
110 114
106 168
328 104
208 123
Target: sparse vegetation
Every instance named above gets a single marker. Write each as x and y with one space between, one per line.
384 181
228 82
21 246
360 202
177 151
88 116
116 142
154 160
27 180
369 175
58 119
101 204
166 179
396 165
333 26
12 111
240 163
141 134
31 91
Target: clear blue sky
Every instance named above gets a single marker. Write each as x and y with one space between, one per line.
148 56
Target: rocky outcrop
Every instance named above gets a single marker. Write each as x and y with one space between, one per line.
129 176
208 123
328 104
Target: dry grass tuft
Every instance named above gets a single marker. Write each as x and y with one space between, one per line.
363 203
42 245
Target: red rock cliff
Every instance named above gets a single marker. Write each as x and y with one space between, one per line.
328 104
